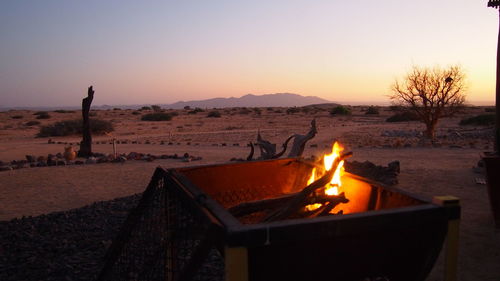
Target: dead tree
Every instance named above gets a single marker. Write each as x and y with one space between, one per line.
268 149
300 141
86 144
431 93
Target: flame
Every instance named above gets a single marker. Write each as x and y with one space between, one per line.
333 187
335 183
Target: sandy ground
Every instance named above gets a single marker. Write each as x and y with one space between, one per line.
445 169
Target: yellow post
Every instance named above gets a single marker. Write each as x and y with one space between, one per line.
451 249
236 260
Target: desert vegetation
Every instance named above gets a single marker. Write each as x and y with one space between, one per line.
479 120
214 114
157 116
340 110
403 116
74 127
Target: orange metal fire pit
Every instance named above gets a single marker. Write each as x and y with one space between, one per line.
182 230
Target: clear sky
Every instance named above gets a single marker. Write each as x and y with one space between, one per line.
148 52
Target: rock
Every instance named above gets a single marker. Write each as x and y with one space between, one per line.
41 164
91 160
5 168
186 155
60 162
41 159
30 158
387 175
51 161
395 166
102 160
79 162
119 159
59 155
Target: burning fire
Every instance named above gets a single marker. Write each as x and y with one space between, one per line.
333 187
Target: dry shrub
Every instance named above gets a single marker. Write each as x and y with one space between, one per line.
73 127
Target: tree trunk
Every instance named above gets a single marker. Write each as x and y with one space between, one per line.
430 131
86 144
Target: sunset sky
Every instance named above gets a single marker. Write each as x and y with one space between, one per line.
152 52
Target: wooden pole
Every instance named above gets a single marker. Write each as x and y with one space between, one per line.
236 264
497 96
451 249
86 144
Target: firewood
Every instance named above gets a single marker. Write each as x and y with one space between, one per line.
285 145
246 208
250 207
299 141
300 199
332 203
267 149
250 156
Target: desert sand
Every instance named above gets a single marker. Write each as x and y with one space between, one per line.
447 167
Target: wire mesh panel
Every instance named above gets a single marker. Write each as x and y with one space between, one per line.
161 238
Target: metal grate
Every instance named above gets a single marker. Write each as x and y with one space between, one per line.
163 239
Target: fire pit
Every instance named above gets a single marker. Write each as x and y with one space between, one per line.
183 229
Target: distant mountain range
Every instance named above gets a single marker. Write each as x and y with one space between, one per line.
269 100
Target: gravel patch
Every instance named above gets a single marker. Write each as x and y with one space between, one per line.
66 245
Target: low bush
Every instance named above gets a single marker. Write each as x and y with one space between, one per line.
156 108
490 109
396 108
340 110
244 111
136 113
479 120
196 110
403 117
157 116
43 115
292 110
145 108
214 114
372 110
17 117
64 111
73 127
32 123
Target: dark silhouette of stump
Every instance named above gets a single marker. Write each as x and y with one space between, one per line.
86 144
